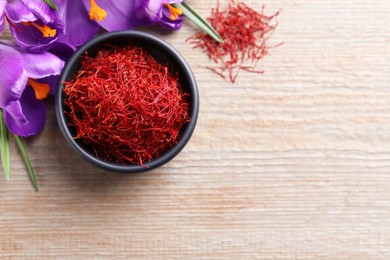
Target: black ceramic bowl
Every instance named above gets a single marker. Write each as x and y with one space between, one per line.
162 52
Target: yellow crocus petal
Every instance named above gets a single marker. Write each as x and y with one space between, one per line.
41 90
174 12
97 13
45 29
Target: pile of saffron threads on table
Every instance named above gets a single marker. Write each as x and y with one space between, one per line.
245 33
125 106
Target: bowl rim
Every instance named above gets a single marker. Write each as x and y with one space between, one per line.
129 168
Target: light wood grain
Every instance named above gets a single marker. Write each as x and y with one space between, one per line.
292 164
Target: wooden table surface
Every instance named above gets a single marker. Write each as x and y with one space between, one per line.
292 164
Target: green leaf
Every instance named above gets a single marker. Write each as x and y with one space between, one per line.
27 162
4 146
191 14
51 4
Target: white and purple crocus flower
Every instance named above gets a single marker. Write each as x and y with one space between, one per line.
44 38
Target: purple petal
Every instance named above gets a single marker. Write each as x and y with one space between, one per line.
14 113
41 10
172 1
25 117
119 13
2 22
52 81
78 27
17 12
167 23
2 25
42 65
3 3
62 50
150 13
30 38
13 78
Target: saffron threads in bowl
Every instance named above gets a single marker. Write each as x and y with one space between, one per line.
125 106
245 33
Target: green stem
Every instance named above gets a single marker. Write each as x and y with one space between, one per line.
27 162
191 14
4 146
51 4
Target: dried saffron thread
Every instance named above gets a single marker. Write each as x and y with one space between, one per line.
126 106
245 32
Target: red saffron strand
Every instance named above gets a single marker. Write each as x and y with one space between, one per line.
245 32
126 106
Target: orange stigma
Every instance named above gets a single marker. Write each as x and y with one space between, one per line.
174 12
97 13
41 90
45 29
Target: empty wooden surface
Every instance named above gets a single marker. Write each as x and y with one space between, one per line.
292 164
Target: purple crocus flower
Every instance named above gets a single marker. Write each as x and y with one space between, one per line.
23 87
114 15
33 24
172 17
86 16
